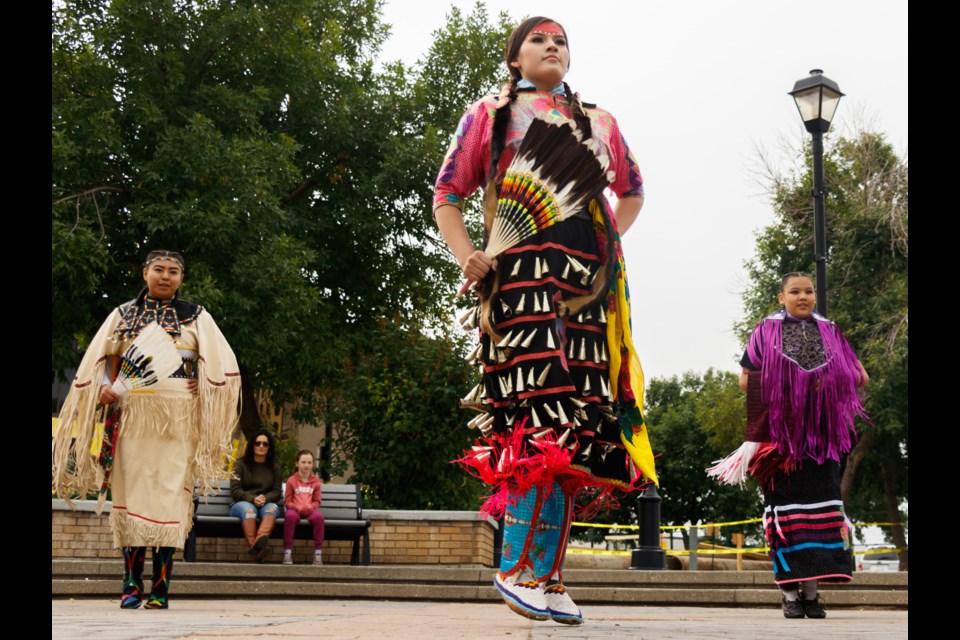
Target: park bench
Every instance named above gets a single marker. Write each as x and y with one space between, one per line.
341 506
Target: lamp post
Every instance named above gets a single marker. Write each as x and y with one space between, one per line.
817 98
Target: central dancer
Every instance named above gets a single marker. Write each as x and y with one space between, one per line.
562 390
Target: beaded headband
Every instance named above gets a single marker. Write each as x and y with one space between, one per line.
164 256
550 28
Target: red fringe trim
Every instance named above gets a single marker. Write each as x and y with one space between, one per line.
513 463
766 462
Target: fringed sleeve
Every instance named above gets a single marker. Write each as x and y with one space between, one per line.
219 393
734 468
75 468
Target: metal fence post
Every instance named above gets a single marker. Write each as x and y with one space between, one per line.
694 539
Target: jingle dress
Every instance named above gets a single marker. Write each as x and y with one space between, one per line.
801 402
561 390
158 441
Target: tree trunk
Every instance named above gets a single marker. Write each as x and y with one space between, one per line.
890 485
853 461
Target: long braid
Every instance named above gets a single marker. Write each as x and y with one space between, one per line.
498 142
576 109
498 137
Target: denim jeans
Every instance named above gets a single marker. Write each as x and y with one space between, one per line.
243 510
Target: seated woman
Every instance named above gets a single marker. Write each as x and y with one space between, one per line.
302 499
255 488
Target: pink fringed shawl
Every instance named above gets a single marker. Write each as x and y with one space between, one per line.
811 412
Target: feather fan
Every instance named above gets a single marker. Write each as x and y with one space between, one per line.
554 174
150 358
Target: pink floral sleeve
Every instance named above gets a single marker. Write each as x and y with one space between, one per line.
465 166
628 181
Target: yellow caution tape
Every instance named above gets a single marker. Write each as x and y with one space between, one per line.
712 524
874 551
606 526
720 552
727 524
667 526
676 552
711 552
598 552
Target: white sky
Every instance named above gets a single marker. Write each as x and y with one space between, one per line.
698 86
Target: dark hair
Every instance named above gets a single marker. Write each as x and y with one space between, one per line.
792 274
157 254
502 117
304 451
271 450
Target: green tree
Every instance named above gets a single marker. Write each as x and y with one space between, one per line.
697 419
866 214
403 437
264 142
179 125
694 420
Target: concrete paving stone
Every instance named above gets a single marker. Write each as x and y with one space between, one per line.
82 567
277 619
326 589
483 592
85 587
395 573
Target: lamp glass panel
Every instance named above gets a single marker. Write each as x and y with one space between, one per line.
808 101
831 100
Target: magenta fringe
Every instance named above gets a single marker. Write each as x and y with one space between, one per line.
811 412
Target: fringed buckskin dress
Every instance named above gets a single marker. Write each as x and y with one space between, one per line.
160 440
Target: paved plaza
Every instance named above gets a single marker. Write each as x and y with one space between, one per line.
222 619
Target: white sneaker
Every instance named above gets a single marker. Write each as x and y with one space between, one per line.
560 605
317 560
287 558
523 594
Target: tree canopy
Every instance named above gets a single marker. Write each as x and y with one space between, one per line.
266 143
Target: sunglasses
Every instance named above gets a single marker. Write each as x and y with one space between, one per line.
261 443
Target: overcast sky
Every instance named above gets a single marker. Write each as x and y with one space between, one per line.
698 86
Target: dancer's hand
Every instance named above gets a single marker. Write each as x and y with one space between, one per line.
193 386
108 395
477 265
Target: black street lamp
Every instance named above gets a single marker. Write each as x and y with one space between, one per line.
817 98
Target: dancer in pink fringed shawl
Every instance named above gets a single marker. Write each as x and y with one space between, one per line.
802 381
